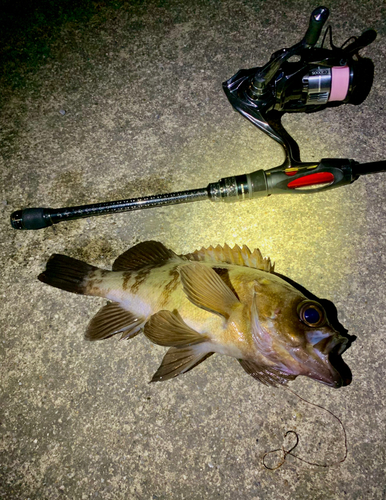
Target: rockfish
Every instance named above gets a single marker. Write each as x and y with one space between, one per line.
214 300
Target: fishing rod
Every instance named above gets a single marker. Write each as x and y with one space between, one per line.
301 78
304 178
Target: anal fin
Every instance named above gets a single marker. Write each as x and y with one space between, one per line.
111 320
180 360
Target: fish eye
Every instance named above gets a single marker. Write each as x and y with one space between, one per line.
311 313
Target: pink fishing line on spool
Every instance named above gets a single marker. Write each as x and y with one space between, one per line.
340 80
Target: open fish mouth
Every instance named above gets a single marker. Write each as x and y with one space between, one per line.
323 362
337 363
332 370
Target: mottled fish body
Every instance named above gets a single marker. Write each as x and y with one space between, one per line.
215 300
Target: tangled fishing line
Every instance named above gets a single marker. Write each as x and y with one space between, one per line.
285 452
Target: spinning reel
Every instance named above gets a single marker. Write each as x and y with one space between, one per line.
302 78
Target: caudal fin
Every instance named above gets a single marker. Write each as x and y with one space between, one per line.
66 273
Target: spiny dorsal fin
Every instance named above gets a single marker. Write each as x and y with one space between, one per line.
180 360
148 253
112 319
236 255
205 289
268 376
167 328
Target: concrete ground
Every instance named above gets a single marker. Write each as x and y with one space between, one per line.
124 99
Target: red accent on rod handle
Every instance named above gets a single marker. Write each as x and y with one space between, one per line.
311 179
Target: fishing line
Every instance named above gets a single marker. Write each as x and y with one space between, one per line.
289 452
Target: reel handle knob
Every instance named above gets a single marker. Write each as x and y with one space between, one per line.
318 17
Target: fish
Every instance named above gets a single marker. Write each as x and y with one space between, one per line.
220 300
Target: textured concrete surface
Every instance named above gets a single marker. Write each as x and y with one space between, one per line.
140 84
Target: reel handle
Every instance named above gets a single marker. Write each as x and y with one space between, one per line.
317 20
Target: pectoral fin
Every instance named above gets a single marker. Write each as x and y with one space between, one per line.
180 360
268 376
112 319
205 289
169 329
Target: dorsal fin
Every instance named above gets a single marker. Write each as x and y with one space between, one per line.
236 255
148 253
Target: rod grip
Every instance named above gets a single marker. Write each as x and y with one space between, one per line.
31 218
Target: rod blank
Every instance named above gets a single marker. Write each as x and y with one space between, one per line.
38 218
